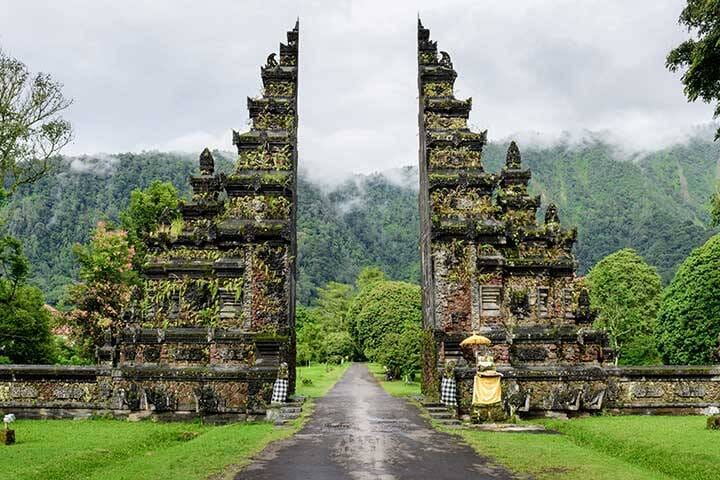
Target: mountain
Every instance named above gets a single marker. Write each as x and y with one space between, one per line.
655 202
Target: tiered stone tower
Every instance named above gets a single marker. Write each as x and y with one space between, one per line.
219 297
488 266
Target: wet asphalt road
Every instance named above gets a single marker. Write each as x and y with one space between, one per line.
358 431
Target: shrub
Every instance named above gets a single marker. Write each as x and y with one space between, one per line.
383 308
399 353
689 322
627 291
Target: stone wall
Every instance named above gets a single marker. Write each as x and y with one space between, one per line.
38 391
576 389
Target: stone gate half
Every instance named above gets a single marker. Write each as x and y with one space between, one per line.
489 266
216 315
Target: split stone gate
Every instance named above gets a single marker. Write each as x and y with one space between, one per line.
217 316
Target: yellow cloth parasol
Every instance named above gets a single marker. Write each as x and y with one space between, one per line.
475 339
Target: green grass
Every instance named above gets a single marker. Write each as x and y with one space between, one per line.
322 376
396 388
102 449
630 447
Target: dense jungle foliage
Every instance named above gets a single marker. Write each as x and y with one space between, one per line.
656 204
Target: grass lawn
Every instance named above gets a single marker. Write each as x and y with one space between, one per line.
322 377
598 448
116 449
396 388
604 447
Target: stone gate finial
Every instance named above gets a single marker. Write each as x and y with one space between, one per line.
271 62
445 60
551 214
207 162
513 160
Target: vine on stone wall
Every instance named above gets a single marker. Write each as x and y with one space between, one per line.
276 158
257 207
438 89
461 157
436 121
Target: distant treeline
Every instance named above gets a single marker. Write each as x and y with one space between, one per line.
656 204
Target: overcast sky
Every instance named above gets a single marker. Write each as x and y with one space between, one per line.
174 75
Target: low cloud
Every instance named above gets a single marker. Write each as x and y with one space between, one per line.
174 75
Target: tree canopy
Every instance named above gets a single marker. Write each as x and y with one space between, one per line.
699 57
689 322
24 322
383 308
105 287
32 131
626 291
158 203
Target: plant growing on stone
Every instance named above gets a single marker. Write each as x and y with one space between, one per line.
443 122
454 157
262 158
438 89
448 202
279 89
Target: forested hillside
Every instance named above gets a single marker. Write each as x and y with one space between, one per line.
655 203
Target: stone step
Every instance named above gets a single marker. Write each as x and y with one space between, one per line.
442 416
437 409
290 410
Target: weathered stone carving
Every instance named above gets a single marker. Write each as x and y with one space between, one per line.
487 264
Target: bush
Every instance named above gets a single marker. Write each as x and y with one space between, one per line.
689 322
25 328
399 353
385 307
338 345
627 291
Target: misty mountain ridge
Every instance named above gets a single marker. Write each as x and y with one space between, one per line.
655 203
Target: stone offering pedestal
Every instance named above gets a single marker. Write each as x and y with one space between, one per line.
7 436
492 413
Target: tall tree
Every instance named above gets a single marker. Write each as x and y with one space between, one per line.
105 287
24 322
689 323
699 56
158 203
715 208
32 131
626 291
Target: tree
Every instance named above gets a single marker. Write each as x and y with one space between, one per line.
158 203
24 322
368 276
105 288
626 291
689 322
383 308
715 208
399 353
32 132
699 57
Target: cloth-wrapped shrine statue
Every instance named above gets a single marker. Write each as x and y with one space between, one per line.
448 385
280 388
487 389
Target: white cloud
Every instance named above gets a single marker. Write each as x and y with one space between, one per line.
174 75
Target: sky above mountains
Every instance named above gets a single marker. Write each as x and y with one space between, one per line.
175 74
